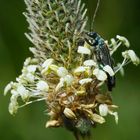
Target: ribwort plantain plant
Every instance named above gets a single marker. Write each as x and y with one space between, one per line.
64 70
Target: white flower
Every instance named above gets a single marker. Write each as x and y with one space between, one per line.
115 114
54 67
34 60
130 54
24 70
125 54
103 109
23 92
109 70
97 118
8 88
13 107
27 61
22 79
133 57
90 63
85 81
69 79
31 68
100 74
52 123
83 50
30 77
69 113
80 69
42 86
14 93
123 40
60 84
113 42
62 72
46 65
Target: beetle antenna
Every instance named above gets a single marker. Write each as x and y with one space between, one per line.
95 13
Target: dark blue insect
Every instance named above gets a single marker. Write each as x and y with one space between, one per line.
102 54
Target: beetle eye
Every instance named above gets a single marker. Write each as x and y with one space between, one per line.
92 35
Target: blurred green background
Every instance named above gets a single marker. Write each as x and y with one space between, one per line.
114 17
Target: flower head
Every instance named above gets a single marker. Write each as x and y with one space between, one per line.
66 71
123 40
130 54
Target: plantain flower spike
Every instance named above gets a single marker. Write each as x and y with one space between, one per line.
63 71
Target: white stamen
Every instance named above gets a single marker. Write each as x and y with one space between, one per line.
124 40
100 74
109 70
85 81
103 109
90 63
42 86
83 50
62 72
